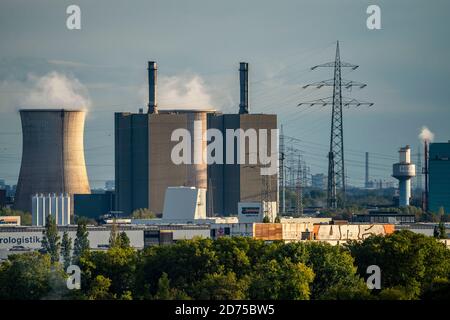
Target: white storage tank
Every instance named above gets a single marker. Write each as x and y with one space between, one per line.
58 206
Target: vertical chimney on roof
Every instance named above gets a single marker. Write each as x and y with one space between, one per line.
243 76
152 78
426 173
367 171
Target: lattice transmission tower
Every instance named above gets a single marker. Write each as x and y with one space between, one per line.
336 167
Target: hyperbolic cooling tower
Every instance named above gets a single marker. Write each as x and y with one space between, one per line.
52 155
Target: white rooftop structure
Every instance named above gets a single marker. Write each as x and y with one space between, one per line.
184 203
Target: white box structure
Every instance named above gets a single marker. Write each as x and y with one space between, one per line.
58 206
184 203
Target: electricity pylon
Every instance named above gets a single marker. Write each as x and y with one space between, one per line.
298 189
336 168
282 174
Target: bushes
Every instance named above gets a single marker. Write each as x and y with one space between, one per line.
412 267
410 263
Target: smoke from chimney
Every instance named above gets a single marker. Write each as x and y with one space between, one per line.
426 135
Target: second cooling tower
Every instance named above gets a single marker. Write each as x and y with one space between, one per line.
52 155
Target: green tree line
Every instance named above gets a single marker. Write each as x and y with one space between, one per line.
413 266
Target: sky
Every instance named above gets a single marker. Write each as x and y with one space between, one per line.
198 45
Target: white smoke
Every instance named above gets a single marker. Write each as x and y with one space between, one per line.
426 135
181 92
55 90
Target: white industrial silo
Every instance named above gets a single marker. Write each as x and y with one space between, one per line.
57 206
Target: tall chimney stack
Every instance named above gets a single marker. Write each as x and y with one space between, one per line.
152 79
425 172
367 171
243 76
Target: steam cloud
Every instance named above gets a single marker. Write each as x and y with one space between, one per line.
55 90
426 134
181 92
52 90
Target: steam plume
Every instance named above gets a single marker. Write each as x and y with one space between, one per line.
181 92
426 135
55 90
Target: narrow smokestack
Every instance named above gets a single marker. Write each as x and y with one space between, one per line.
367 170
152 79
243 76
425 172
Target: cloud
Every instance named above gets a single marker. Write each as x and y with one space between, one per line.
52 90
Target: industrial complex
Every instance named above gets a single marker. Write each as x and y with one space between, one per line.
143 146
208 193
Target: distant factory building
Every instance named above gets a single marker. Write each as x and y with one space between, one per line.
318 181
94 205
2 198
110 185
144 168
439 177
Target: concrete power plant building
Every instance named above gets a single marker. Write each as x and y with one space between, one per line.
52 155
439 176
144 168
234 183
404 170
143 165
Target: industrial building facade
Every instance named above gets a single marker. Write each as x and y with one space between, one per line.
439 175
234 183
143 165
144 168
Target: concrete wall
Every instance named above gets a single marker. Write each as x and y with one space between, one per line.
52 155
94 205
143 164
31 237
232 183
439 169
351 231
131 161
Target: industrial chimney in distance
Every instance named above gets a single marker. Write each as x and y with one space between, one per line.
243 76
152 79
404 170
